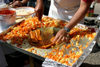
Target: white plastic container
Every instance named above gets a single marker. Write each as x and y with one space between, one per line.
7 17
3 6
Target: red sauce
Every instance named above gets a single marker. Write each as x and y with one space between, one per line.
6 12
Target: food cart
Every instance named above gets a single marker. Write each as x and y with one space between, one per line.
81 42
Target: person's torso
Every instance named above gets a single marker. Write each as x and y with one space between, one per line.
66 4
63 9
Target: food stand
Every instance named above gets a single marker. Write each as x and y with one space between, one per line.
71 54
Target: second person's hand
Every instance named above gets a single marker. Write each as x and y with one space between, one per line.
39 9
16 4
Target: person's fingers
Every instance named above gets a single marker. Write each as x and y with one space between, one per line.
55 39
66 39
59 39
13 1
39 15
10 3
63 39
36 12
16 4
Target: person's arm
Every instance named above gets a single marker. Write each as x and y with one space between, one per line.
39 9
79 15
18 3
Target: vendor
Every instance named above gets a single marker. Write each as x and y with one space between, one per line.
71 10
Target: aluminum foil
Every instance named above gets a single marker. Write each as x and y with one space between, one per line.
40 53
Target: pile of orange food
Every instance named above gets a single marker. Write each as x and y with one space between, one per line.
35 39
28 30
25 30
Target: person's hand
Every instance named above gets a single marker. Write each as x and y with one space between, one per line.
61 36
39 11
16 4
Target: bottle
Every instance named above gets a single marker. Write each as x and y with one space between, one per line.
92 9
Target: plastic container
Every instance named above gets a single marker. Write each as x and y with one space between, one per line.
3 6
7 16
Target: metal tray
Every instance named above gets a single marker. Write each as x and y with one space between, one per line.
40 53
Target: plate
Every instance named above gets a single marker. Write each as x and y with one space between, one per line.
24 11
